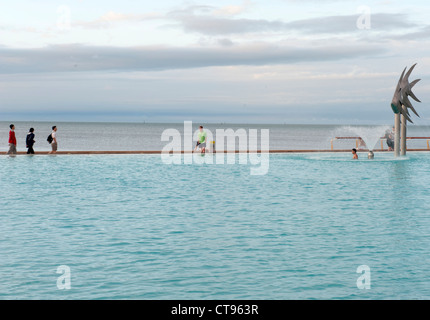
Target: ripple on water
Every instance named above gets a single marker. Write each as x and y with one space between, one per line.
132 227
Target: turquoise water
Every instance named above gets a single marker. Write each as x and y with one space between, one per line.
131 227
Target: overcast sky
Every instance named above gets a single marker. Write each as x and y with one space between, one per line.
273 61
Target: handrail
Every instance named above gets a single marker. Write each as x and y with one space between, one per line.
357 141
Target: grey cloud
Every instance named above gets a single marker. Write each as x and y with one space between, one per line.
225 42
423 33
107 20
210 25
76 58
192 10
221 26
343 24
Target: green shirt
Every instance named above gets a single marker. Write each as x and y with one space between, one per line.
202 137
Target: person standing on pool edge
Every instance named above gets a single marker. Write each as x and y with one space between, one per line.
354 154
54 144
389 135
30 141
201 140
12 140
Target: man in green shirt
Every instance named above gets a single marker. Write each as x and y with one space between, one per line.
201 140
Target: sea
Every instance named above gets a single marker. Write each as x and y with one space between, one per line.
98 136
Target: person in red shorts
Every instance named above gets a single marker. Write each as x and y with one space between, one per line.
12 140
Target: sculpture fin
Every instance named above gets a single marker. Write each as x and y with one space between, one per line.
403 113
400 80
409 72
413 83
406 101
413 109
409 119
409 105
414 97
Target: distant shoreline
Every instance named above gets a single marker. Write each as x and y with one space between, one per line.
203 123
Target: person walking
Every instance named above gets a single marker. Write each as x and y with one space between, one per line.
12 140
30 141
53 140
201 140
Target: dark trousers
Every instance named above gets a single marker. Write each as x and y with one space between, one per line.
390 143
30 150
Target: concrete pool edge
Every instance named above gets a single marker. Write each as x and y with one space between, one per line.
189 152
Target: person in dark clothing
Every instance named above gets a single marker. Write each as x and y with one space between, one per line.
30 141
389 135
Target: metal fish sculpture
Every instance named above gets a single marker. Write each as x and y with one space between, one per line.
402 94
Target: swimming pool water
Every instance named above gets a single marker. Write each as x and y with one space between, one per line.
131 227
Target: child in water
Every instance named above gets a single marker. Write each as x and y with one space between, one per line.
354 154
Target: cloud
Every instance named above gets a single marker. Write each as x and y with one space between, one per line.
423 33
111 17
222 26
225 42
348 23
211 25
77 58
233 9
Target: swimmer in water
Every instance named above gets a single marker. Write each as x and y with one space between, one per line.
354 154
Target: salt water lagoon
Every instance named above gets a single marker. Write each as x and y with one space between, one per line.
309 180
132 227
